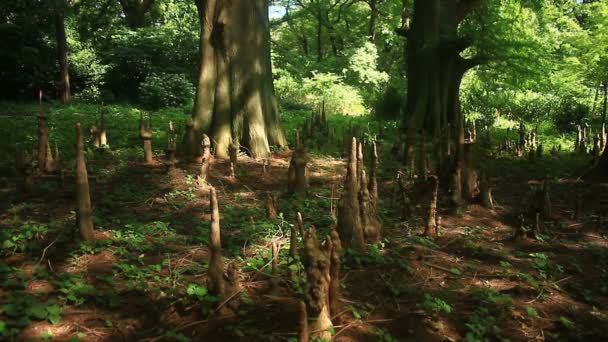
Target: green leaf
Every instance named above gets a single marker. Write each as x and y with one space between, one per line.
8 244
53 309
567 322
47 335
196 290
456 271
531 311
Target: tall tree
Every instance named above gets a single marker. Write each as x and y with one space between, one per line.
62 52
435 70
235 93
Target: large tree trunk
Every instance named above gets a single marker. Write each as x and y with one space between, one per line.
62 50
599 172
435 71
235 94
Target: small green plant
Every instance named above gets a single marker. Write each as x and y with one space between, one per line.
425 241
384 335
434 305
22 238
531 311
482 327
359 313
20 308
197 291
566 322
490 296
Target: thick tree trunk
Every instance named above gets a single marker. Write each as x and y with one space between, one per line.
62 50
235 95
435 73
599 172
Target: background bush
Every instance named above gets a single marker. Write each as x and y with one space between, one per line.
166 90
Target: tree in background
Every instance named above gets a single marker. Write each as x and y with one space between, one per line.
62 52
235 98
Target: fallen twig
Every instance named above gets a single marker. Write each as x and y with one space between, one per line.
45 249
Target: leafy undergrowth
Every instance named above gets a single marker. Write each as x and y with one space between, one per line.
144 277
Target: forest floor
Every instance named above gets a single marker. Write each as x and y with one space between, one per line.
144 277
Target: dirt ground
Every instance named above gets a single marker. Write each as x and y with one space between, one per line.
472 282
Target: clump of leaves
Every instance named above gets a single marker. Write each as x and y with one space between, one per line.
23 238
21 308
432 304
482 327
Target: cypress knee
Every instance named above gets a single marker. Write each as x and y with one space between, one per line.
215 280
349 219
334 282
431 222
84 212
373 182
206 160
145 133
317 262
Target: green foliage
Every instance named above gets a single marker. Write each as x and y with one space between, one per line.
433 304
21 308
571 113
166 90
22 238
321 88
363 70
482 327
197 291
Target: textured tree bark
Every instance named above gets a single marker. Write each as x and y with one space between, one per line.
271 206
370 223
303 322
300 223
435 72
297 176
485 192
215 280
84 213
317 262
431 222
62 52
145 133
334 273
373 181
235 94
599 172
349 219
274 280
205 161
